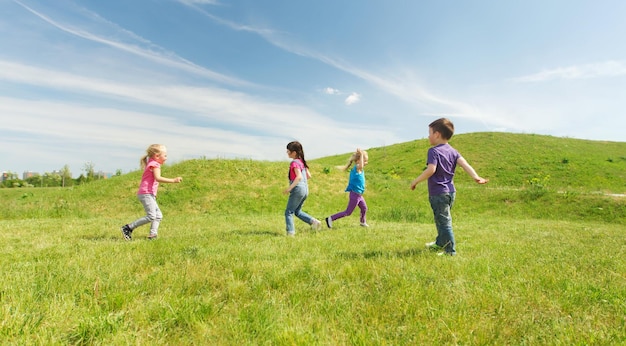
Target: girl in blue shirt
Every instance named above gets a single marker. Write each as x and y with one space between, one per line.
356 187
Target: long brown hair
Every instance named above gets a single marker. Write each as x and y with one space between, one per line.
297 148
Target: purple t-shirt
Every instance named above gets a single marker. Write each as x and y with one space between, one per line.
444 157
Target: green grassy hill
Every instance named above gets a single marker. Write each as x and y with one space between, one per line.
530 176
540 258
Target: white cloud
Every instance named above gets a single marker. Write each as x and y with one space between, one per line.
111 119
331 91
596 70
151 52
353 98
193 121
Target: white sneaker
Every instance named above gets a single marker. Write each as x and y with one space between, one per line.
315 225
433 246
364 224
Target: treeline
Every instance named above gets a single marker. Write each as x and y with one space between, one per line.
61 178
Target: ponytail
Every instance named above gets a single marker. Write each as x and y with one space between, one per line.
350 161
143 161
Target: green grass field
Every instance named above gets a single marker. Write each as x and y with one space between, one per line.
540 260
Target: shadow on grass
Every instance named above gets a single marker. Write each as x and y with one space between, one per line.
257 233
382 254
101 237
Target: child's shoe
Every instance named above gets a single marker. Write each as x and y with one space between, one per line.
433 246
127 232
329 222
315 225
152 236
364 224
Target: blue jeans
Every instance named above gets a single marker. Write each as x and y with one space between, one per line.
153 213
441 205
297 196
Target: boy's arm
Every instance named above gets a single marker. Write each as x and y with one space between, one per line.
427 173
470 170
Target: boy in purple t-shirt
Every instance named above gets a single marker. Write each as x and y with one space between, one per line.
441 164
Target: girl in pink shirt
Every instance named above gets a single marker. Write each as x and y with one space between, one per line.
156 155
298 189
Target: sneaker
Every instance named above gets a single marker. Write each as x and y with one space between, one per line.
315 225
433 246
291 234
152 236
364 224
329 222
126 232
445 253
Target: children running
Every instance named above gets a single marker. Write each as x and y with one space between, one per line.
441 163
356 187
156 155
298 189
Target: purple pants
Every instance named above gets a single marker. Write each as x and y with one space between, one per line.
355 199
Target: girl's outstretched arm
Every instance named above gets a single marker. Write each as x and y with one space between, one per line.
157 176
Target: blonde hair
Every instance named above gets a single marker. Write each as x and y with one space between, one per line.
356 156
151 152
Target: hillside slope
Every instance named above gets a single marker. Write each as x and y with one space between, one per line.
530 176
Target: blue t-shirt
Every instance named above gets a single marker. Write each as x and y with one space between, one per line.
444 157
357 181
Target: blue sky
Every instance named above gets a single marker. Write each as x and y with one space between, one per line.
98 81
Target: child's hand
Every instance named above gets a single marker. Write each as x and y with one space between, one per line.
178 179
481 180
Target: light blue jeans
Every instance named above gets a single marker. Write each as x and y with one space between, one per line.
153 214
297 196
441 205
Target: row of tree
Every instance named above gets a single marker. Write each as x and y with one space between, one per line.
61 178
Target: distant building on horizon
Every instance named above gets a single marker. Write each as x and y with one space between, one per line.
103 175
29 174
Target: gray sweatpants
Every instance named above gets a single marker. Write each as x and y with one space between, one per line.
153 214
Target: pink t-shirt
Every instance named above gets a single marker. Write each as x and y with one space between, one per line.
149 185
295 164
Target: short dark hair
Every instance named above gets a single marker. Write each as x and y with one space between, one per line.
443 126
